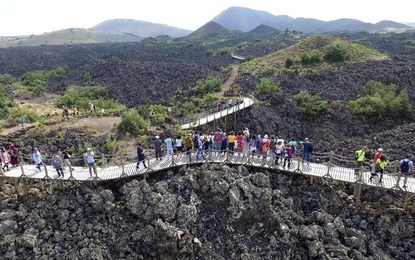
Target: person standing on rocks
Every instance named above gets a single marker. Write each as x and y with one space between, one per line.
57 163
89 159
37 158
157 147
140 156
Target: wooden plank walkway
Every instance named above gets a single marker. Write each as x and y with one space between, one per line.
338 173
246 102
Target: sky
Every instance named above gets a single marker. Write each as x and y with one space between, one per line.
27 17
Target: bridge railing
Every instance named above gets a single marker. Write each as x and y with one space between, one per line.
223 110
323 165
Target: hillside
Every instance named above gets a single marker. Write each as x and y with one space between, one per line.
212 211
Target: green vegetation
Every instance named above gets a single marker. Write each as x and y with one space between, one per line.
380 100
111 143
326 52
311 106
82 96
337 52
133 122
210 85
311 57
34 82
267 87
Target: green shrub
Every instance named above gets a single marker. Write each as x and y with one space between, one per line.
311 57
381 100
267 87
336 52
210 85
311 106
132 122
288 63
111 143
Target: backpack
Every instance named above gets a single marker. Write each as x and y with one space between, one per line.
56 161
217 137
405 166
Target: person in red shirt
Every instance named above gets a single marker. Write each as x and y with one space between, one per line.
377 155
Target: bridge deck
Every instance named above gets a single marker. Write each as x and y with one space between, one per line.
390 181
246 102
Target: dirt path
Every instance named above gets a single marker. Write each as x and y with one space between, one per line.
229 81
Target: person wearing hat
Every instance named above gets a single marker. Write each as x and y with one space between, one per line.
377 155
307 150
157 147
89 159
360 157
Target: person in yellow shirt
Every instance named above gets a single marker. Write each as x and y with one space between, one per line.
231 141
379 167
360 157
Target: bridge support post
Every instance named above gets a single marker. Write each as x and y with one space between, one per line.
357 191
25 189
408 199
16 186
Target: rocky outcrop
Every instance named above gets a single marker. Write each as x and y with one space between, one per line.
209 212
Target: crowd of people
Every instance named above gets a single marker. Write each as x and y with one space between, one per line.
241 142
379 163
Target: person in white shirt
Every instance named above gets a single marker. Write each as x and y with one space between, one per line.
179 144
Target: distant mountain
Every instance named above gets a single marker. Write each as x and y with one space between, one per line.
140 28
209 31
68 36
262 31
246 19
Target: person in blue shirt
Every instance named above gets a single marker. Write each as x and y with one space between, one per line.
169 146
307 150
140 156
89 158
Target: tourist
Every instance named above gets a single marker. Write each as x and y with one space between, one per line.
307 150
272 143
379 168
360 157
89 158
5 159
168 142
247 135
140 156
239 142
200 148
405 167
377 155
37 158
217 139
188 141
66 156
278 152
14 155
22 121
57 163
179 144
288 155
224 143
265 146
231 141
157 147
293 145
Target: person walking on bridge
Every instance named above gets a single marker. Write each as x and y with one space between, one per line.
37 158
217 139
379 168
140 156
307 150
157 147
360 158
188 141
405 169
89 158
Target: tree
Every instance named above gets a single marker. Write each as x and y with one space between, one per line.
311 106
336 52
267 86
381 100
